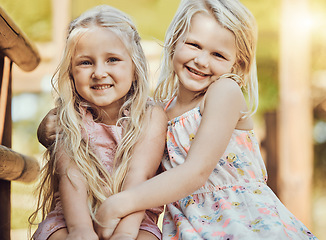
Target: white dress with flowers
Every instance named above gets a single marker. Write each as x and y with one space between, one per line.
235 202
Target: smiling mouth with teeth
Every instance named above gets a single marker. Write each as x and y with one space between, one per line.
101 87
197 73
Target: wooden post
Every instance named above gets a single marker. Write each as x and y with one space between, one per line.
5 205
61 17
271 148
295 111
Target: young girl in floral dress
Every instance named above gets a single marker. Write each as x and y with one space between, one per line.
215 179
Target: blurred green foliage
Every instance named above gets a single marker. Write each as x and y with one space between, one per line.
268 21
33 17
318 7
152 17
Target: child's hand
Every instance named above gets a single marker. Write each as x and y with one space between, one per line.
82 233
108 220
46 132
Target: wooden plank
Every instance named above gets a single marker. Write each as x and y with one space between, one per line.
15 44
15 166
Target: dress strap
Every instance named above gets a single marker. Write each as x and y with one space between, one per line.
168 104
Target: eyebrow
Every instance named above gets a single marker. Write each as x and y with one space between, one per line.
82 56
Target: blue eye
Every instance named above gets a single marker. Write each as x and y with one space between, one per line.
113 59
85 63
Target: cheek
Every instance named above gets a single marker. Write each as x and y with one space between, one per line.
79 80
78 87
221 68
76 74
82 75
183 54
128 72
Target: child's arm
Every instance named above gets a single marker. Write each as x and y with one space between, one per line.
223 105
46 132
73 196
146 159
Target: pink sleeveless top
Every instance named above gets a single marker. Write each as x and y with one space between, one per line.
103 140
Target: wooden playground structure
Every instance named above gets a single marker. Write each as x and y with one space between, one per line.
15 48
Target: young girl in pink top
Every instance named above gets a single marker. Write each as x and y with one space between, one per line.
215 179
110 137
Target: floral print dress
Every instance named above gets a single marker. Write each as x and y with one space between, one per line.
235 202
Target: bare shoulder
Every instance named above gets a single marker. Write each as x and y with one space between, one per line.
226 97
226 86
224 92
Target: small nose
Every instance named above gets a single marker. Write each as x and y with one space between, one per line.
201 60
100 71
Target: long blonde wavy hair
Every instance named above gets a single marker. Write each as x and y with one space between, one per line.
100 182
232 15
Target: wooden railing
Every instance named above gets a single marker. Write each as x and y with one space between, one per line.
14 48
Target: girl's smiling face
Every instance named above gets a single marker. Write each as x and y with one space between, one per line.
102 68
205 53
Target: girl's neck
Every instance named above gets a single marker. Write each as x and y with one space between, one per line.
110 114
182 104
186 98
108 120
